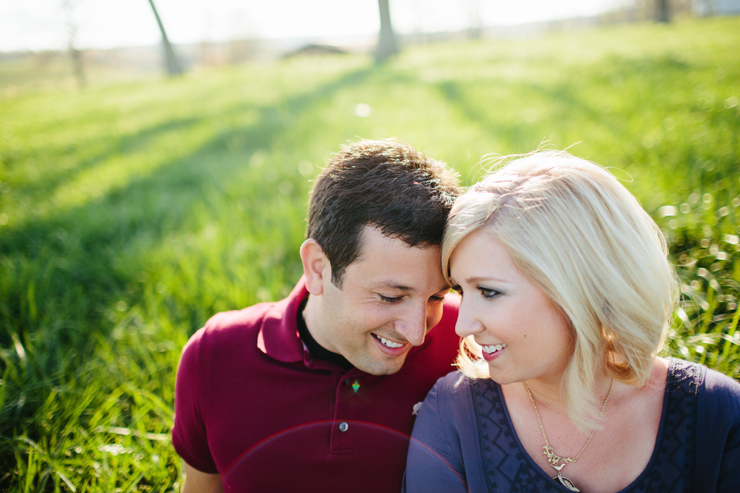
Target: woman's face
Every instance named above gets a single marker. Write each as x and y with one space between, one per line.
523 334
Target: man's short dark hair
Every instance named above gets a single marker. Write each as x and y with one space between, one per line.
386 184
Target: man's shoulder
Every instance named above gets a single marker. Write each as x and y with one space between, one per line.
238 319
230 329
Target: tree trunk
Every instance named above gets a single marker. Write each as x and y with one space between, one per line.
387 45
662 11
475 27
78 65
75 55
171 64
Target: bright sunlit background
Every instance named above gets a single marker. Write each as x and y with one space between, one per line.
42 24
136 201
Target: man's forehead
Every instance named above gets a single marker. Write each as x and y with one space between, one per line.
383 254
391 263
372 241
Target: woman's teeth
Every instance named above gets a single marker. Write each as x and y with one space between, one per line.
493 349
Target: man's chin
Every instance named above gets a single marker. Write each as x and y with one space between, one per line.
380 368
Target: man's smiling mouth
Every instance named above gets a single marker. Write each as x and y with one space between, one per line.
387 342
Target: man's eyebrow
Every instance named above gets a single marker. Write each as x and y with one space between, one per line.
401 287
392 285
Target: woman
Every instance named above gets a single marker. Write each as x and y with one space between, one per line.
566 298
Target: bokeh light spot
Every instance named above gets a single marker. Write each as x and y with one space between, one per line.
363 110
305 168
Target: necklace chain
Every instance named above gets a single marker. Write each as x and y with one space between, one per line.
552 458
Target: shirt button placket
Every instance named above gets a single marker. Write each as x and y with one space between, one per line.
341 434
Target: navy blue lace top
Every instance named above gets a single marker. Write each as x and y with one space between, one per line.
463 439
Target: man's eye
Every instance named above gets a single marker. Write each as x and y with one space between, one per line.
437 299
489 293
389 299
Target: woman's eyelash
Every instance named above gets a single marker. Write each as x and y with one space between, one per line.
488 292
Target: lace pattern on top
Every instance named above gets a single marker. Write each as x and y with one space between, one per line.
671 467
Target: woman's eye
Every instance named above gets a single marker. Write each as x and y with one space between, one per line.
389 299
489 293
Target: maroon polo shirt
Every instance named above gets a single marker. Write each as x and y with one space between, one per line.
252 405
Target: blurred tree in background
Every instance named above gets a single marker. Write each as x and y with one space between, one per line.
387 44
663 11
75 55
171 64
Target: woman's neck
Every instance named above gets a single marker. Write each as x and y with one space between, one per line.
547 391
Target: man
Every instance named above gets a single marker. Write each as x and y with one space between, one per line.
317 392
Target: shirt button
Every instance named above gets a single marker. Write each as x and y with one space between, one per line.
343 426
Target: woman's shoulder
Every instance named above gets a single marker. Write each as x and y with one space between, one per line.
713 412
722 392
452 381
702 376
719 382
716 390
456 383
457 394
448 388
450 393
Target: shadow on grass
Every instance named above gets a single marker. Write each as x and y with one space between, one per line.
54 236
560 98
59 273
120 145
636 101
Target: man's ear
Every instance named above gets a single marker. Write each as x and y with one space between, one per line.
315 266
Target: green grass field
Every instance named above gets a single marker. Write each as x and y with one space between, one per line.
131 212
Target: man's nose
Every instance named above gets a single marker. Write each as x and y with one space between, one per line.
413 326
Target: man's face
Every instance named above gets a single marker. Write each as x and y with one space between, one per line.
390 296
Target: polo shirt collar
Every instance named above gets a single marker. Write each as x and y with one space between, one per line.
278 336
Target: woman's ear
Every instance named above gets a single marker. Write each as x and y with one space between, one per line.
315 266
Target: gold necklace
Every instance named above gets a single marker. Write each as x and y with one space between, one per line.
552 458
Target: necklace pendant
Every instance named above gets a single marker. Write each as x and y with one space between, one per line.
565 482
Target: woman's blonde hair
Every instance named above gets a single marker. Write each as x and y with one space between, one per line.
584 240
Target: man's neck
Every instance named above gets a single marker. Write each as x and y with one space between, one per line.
315 349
